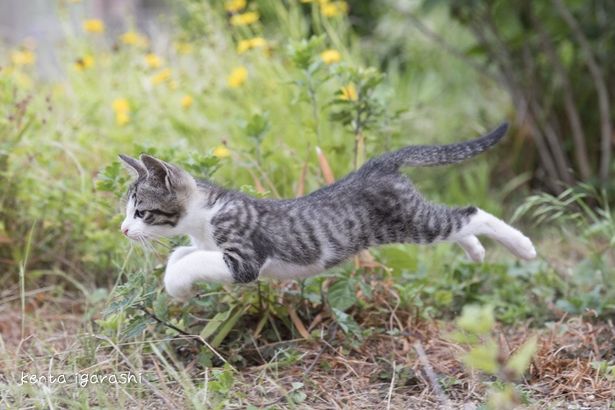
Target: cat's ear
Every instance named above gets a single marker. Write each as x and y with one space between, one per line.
134 166
173 177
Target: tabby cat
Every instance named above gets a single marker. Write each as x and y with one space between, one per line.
238 238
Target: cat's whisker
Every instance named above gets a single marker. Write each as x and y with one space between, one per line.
144 244
161 243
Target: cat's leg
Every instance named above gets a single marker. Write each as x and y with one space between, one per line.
198 265
483 223
472 247
179 253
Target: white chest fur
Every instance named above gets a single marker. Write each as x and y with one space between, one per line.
198 225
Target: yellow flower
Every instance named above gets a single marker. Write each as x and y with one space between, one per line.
153 61
331 56
186 102
85 62
183 47
335 8
121 106
161 76
233 6
245 45
222 152
132 38
237 77
93 26
122 118
23 57
349 93
244 19
23 80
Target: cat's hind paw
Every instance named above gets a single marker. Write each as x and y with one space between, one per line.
473 248
524 248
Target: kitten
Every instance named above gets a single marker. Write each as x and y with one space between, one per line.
237 238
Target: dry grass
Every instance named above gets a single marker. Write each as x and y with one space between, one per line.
384 372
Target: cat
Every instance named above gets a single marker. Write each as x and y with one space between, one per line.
238 238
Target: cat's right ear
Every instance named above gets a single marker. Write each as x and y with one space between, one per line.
134 166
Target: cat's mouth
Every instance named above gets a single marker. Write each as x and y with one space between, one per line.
137 236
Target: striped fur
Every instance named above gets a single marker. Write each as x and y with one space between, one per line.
239 238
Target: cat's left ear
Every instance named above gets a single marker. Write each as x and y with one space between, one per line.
134 166
171 175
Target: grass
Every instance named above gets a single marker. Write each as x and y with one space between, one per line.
364 335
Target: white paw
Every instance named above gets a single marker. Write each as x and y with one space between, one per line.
477 253
472 247
177 286
524 248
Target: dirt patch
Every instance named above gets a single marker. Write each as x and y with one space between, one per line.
384 371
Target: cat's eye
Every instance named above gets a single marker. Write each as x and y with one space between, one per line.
139 214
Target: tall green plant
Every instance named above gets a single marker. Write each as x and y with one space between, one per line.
556 60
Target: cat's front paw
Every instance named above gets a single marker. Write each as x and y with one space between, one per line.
178 286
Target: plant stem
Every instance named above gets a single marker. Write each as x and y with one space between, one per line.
314 104
170 326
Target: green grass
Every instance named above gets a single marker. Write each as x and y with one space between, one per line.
91 302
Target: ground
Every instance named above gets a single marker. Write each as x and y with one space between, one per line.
386 371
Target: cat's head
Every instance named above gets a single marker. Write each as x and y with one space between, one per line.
157 199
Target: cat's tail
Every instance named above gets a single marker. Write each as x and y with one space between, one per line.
430 155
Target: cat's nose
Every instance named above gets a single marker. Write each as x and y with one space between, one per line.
124 231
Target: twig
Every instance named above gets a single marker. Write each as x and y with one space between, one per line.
601 88
390 393
169 325
542 117
574 119
435 37
309 369
332 331
550 136
521 102
444 401
197 338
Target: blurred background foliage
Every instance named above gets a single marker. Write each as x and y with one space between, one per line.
243 93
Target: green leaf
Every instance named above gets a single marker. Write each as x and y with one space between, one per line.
346 322
161 306
136 326
341 294
483 358
223 380
215 323
226 328
520 360
204 358
443 297
124 303
257 127
476 319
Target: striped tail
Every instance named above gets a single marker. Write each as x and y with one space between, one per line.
430 155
